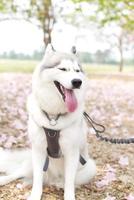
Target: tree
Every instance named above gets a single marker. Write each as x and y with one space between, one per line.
119 40
85 57
120 44
107 12
39 12
102 56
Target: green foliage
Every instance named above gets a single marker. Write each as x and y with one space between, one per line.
118 11
100 57
85 57
39 12
7 5
37 55
39 9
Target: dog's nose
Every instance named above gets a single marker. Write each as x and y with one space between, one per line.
76 83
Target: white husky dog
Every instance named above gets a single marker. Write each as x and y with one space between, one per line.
56 127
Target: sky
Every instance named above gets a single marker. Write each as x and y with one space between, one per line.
24 37
19 36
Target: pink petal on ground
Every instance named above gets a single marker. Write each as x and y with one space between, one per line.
108 178
102 183
110 198
130 197
3 138
19 186
12 139
109 168
17 124
8 145
123 161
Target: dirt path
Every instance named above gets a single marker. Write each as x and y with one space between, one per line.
109 101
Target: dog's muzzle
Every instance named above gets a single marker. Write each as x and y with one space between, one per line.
76 83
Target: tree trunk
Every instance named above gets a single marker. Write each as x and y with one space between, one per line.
47 37
121 64
48 22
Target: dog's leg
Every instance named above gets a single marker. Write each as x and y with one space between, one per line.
9 178
23 171
71 165
38 158
88 170
86 173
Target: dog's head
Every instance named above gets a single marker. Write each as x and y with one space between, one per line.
63 76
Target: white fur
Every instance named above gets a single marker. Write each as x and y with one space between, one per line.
66 171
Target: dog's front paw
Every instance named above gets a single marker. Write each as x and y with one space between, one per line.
3 180
34 197
69 197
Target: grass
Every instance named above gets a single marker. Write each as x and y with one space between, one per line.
27 66
24 66
103 68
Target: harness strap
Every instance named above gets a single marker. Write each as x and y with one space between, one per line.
46 164
53 147
81 159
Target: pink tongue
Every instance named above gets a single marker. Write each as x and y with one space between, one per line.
70 100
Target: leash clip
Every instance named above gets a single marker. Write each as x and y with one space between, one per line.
52 122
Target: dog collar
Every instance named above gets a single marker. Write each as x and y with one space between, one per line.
54 119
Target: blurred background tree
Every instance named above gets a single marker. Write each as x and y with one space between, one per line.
38 12
109 12
105 12
80 13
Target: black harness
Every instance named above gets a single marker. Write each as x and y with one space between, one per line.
53 147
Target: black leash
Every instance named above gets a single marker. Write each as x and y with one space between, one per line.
103 138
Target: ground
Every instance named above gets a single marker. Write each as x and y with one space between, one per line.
109 100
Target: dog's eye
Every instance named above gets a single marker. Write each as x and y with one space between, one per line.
63 69
77 70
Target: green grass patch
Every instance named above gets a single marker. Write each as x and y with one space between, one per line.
105 69
27 66
24 66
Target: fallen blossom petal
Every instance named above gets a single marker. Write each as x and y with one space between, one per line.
110 176
19 186
8 145
110 198
107 179
109 168
102 183
130 197
123 161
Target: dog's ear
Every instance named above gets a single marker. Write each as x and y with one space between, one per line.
49 49
73 50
